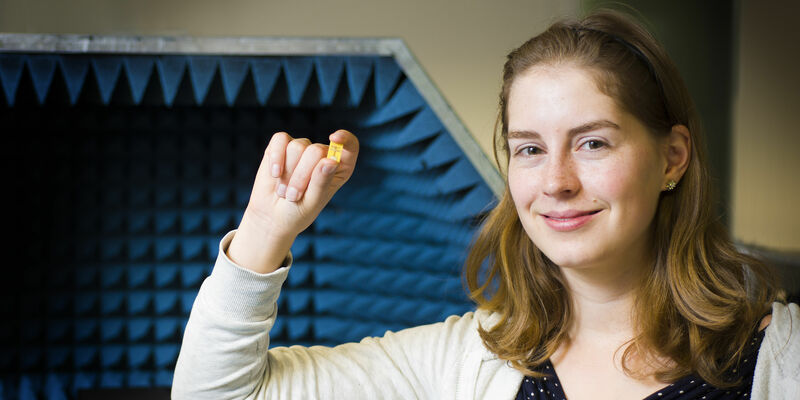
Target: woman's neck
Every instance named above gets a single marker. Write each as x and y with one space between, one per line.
602 300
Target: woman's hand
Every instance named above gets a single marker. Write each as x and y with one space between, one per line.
293 184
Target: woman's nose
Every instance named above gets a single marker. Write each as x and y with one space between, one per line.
561 179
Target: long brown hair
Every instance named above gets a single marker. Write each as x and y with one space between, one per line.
701 300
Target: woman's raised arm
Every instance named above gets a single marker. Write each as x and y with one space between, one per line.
224 350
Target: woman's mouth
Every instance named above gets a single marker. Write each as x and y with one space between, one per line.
569 220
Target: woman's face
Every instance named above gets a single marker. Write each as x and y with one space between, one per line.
585 175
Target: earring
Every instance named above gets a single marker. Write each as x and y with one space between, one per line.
671 185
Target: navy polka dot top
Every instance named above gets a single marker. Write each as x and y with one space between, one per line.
688 387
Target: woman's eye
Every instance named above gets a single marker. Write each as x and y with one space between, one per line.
594 144
530 151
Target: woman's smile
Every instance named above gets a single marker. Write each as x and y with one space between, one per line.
570 220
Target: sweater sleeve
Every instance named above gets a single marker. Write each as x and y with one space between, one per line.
777 374
227 333
225 353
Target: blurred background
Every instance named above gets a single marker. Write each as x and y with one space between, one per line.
115 321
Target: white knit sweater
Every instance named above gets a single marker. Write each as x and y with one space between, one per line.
225 353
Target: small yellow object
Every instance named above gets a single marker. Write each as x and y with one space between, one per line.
335 151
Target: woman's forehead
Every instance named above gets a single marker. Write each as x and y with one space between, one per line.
548 98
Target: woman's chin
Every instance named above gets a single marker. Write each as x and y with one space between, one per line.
571 259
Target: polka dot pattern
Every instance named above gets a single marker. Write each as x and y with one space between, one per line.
688 387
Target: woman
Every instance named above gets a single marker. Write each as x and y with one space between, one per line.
609 276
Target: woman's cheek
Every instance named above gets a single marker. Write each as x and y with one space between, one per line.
626 185
521 185
608 181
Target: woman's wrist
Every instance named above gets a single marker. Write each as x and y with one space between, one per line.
257 247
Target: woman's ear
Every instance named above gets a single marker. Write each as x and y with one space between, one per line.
678 152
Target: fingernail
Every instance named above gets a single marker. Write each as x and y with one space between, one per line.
276 171
291 194
281 190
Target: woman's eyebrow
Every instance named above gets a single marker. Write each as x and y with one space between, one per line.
593 126
523 135
583 128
